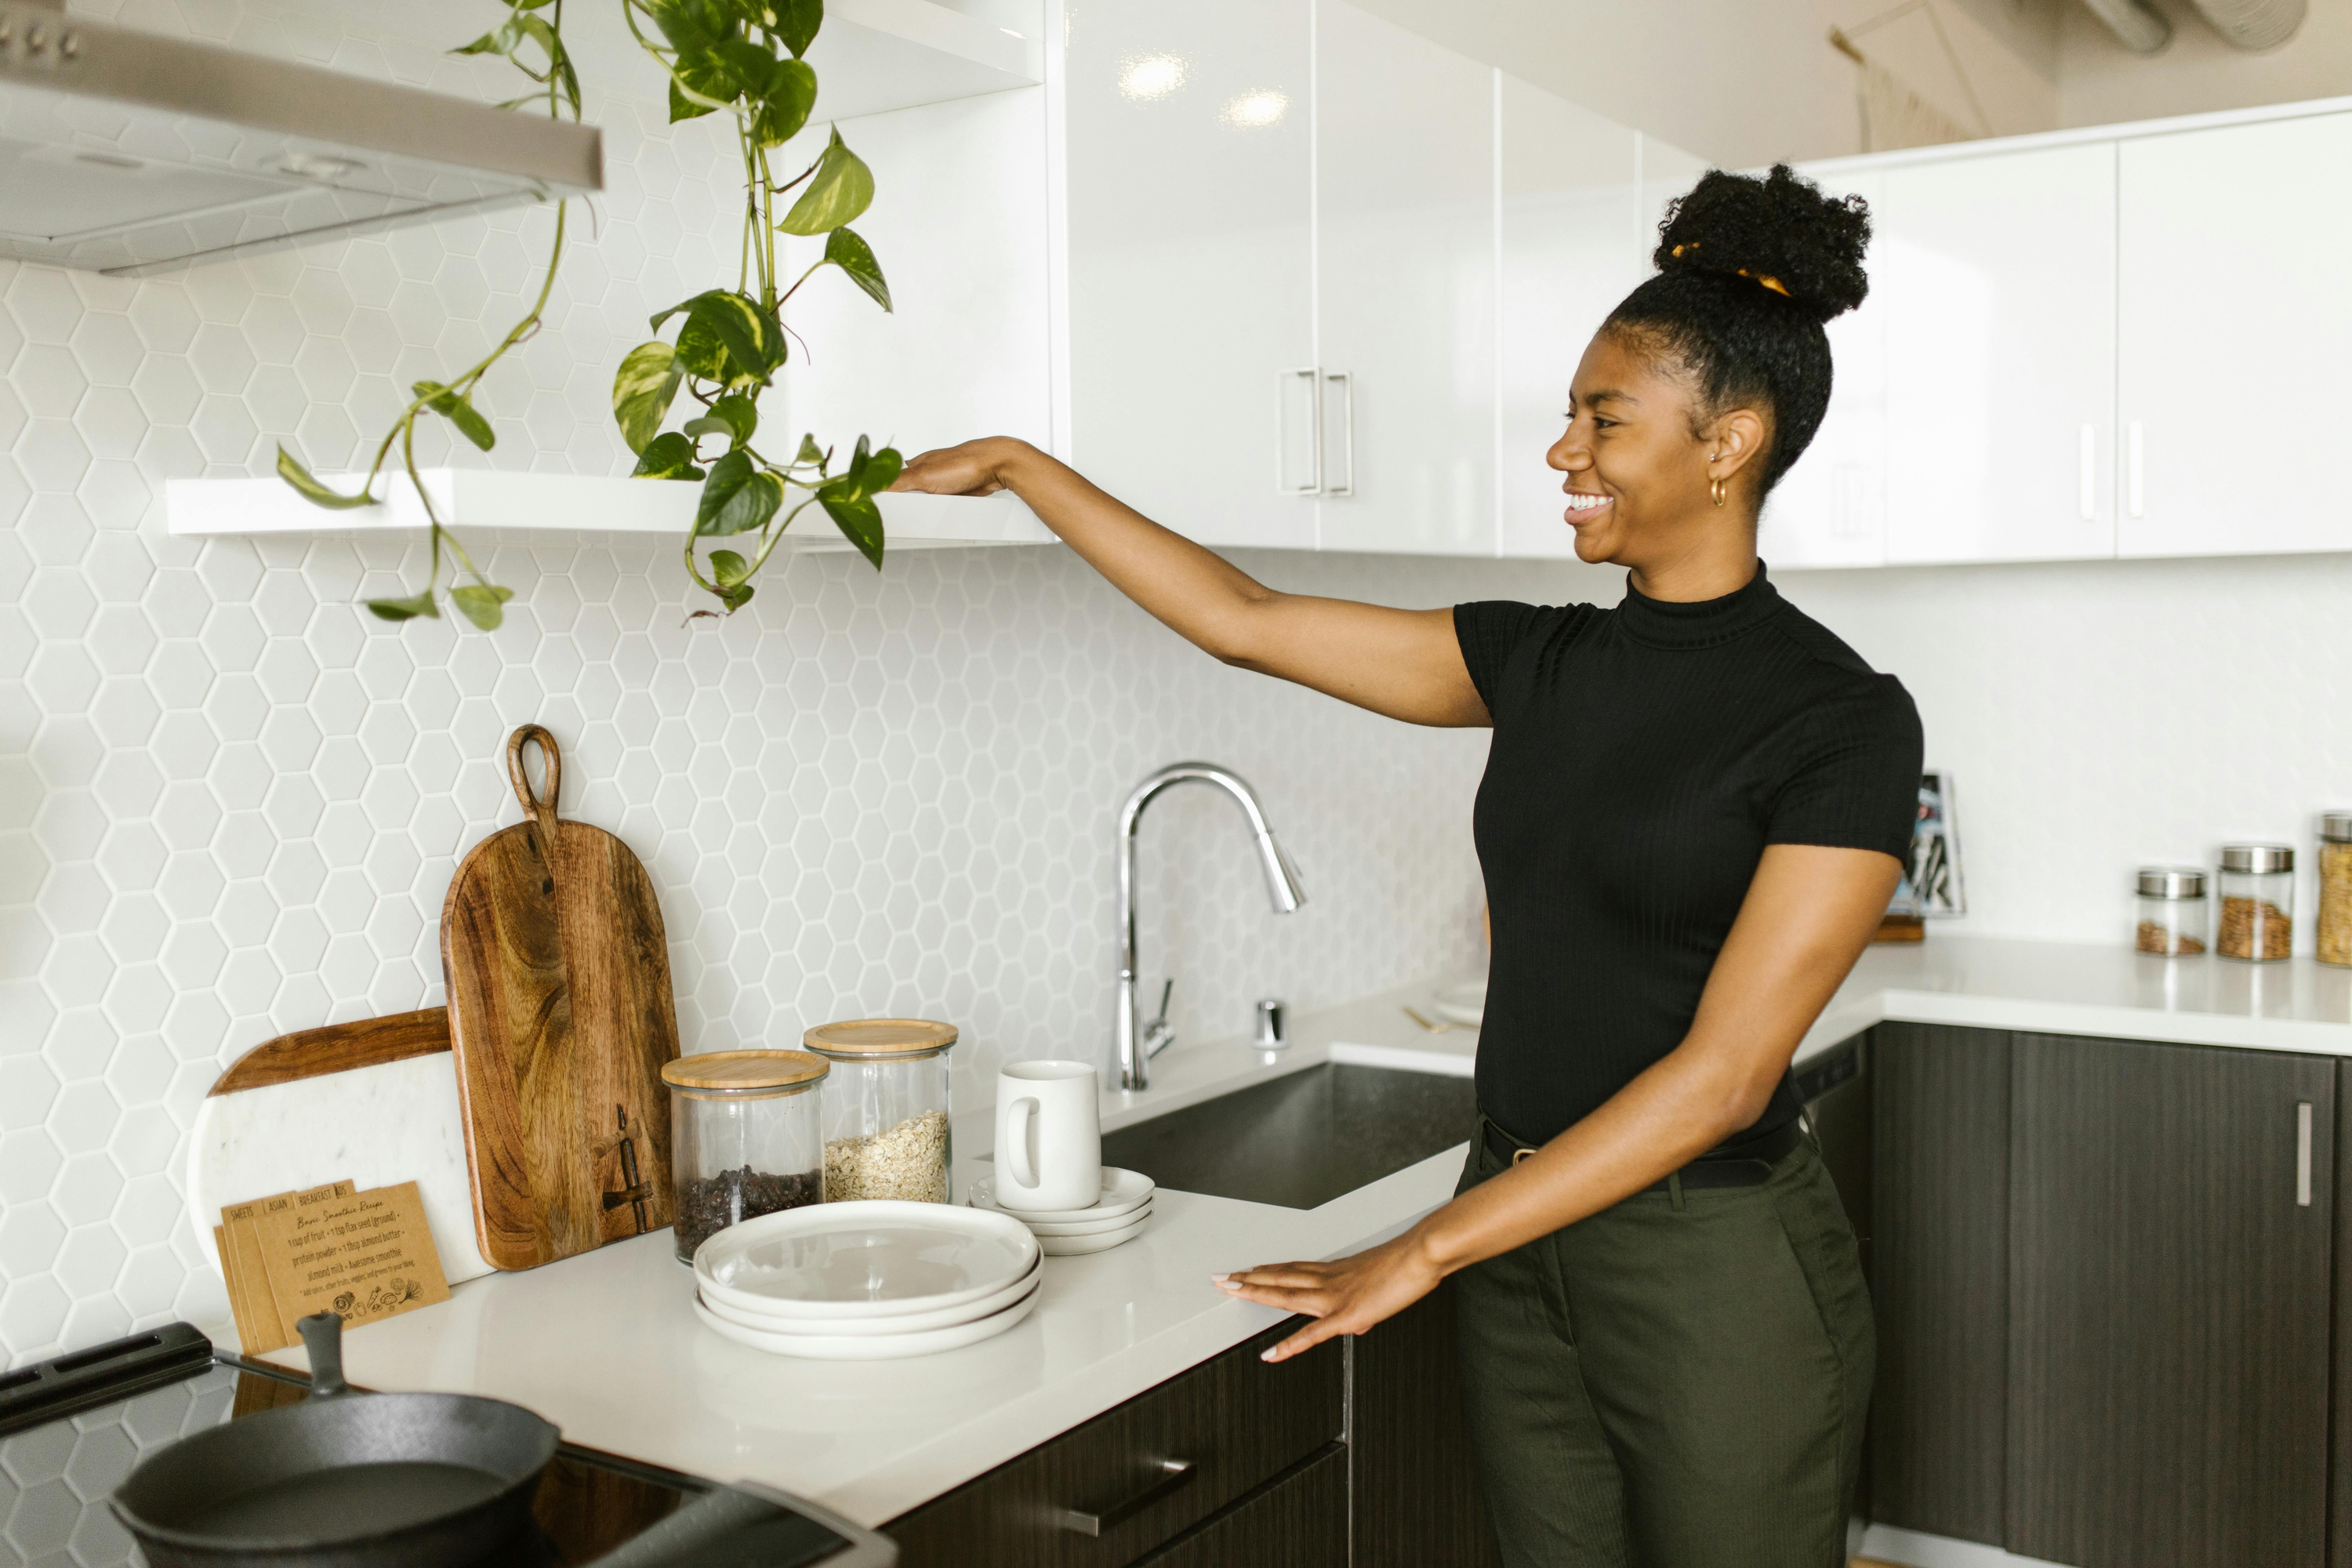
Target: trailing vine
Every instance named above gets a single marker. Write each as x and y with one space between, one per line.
743 57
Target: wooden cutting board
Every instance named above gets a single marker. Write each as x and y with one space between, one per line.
560 1018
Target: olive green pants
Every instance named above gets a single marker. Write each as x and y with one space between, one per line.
1672 1385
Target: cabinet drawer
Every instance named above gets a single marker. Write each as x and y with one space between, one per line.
1235 1421
1299 1521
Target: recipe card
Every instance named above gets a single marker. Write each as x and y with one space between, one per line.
362 1255
260 1326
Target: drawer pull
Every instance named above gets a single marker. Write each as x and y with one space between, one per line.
1171 1476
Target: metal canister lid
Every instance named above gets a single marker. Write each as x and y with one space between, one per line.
2336 826
872 1039
750 1074
2171 882
2260 859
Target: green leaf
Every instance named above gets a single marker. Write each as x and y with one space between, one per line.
740 413
683 107
860 522
811 453
498 41
688 24
643 391
457 411
846 250
728 569
481 603
842 187
737 498
747 65
797 22
754 342
407 609
308 487
669 455
785 100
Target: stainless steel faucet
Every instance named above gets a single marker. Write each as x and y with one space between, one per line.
1135 1050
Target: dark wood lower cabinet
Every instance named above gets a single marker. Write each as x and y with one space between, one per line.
1940 1278
2169 1244
1297 1520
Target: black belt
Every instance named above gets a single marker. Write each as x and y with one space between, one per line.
1750 1165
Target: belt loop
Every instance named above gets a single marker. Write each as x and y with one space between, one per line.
1674 1189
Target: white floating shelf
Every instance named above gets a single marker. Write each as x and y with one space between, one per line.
489 499
872 56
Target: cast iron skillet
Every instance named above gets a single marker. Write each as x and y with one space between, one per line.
343 1479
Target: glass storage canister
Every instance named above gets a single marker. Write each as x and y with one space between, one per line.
746 1138
2336 887
885 1108
2257 919
2173 915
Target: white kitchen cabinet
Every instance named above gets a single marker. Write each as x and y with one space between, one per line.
1996 280
1830 509
2235 324
1188 136
1405 275
1570 229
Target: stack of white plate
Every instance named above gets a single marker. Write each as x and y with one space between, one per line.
1462 1004
1125 1209
868 1280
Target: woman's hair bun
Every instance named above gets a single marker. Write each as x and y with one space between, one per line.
1780 229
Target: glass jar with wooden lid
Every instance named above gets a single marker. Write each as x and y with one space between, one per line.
2257 914
747 1138
885 1108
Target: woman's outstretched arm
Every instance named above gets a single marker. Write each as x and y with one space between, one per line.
1808 913
1403 663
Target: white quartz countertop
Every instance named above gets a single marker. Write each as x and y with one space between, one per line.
606 1345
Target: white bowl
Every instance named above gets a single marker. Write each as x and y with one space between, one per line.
777 1323
1092 1227
872 1258
1102 1241
870 1347
1462 1004
1122 1191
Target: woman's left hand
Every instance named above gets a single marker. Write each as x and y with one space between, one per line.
1346 1296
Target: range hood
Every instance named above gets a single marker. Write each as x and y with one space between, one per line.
131 152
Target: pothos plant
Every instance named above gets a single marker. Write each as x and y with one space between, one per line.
745 59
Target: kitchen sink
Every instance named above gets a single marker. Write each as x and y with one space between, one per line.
1301 1140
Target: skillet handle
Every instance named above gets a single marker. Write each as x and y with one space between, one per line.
322 1336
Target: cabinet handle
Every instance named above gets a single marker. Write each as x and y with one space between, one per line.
1346 432
2303 1153
1313 374
2135 468
1168 1477
2090 472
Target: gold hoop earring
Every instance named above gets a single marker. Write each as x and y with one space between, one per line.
1715 487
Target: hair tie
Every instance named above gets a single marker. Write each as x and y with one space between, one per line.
1765 278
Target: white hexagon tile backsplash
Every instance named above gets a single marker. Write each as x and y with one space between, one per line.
230 801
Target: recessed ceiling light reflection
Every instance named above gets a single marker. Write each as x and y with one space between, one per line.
1252 111
1146 77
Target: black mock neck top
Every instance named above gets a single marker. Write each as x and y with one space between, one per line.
1643 758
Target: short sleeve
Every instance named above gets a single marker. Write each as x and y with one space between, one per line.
1851 776
1488 632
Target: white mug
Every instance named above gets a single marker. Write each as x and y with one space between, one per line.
1048 1137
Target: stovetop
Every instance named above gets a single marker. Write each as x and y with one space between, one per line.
57 1475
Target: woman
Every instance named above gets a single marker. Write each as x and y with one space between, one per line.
1693 812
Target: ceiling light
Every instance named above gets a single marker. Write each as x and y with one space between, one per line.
1147 77
1252 111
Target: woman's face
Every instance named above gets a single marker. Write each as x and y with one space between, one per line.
1640 465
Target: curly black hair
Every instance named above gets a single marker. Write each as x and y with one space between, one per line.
1749 269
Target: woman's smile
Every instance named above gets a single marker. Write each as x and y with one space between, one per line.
1585 506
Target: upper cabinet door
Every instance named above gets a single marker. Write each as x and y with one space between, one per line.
1829 510
2236 324
1995 278
1188 139
1571 228
1405 272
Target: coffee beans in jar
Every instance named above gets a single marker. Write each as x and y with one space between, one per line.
2172 910
2257 915
745 1138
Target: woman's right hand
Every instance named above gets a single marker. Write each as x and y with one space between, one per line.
973 468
